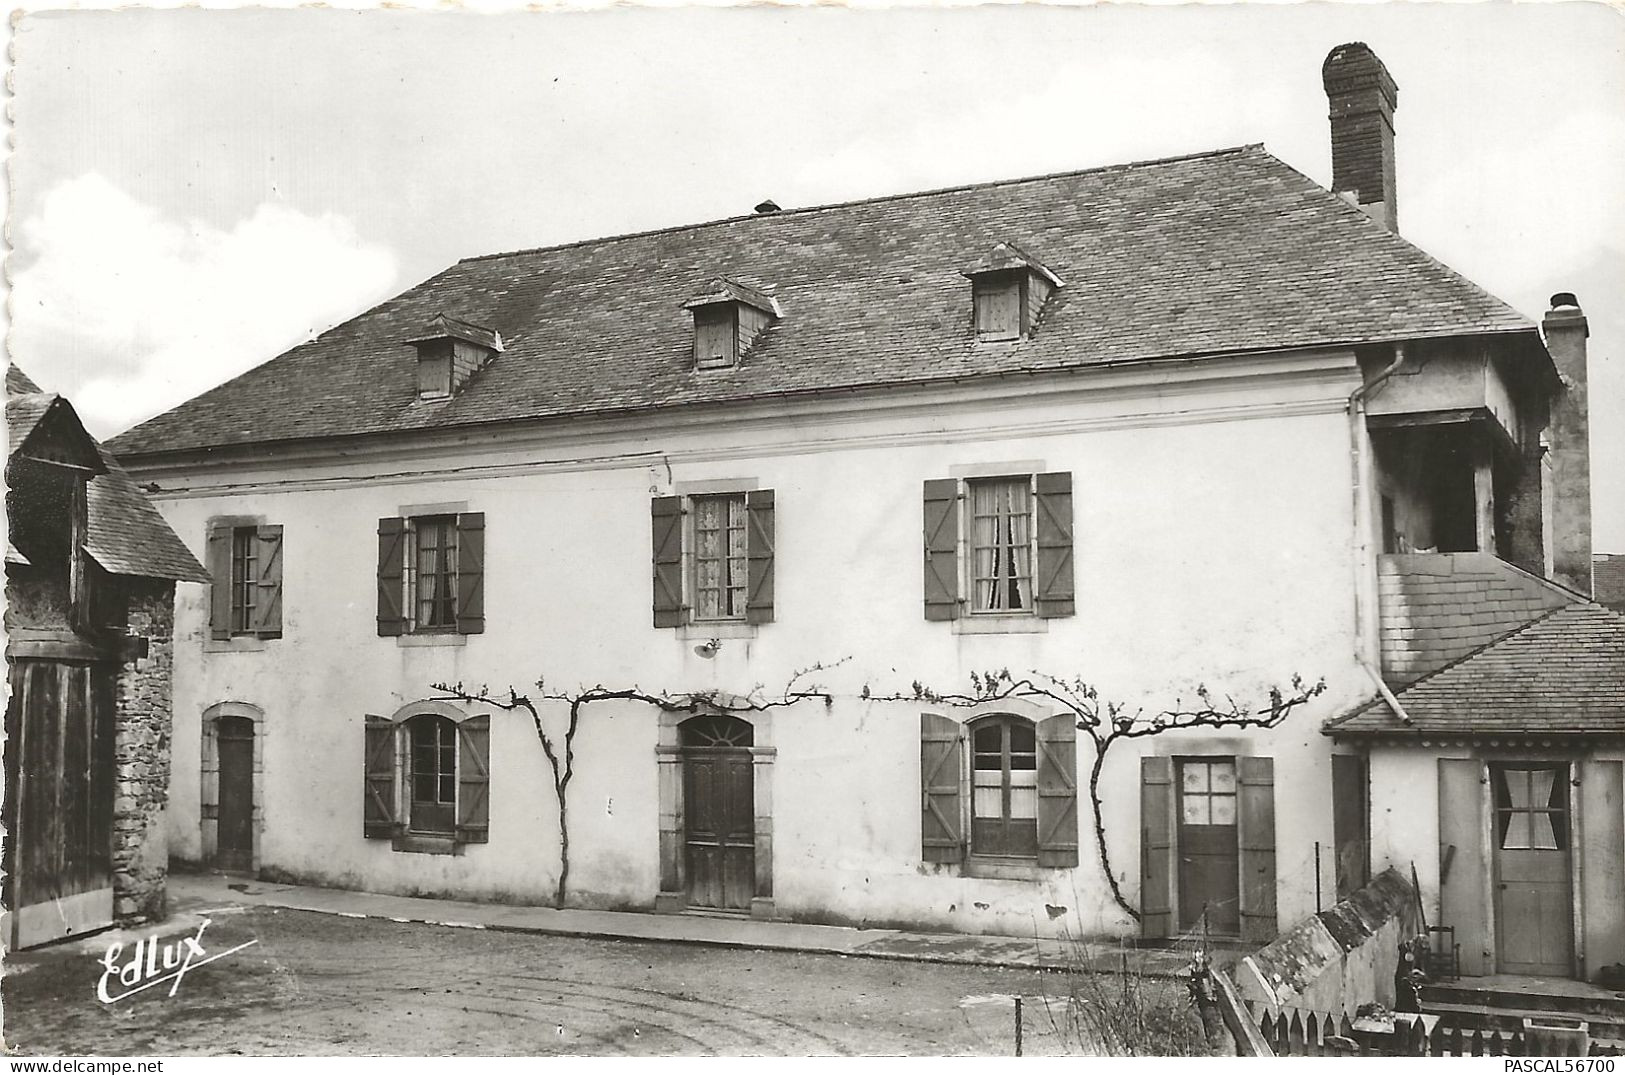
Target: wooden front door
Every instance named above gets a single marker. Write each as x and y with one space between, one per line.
719 813
59 800
1534 903
1209 857
235 847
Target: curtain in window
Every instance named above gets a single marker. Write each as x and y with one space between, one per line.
720 556
1001 514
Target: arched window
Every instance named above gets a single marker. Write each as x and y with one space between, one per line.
715 730
1004 787
427 778
433 776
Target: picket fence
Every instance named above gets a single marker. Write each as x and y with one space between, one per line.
1294 1032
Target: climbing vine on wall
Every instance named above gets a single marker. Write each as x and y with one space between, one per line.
1104 722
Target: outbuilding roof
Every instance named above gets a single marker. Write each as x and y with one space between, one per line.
1227 251
124 532
1561 675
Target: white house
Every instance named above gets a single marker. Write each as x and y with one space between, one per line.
1147 419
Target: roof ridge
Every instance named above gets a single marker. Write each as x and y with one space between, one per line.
1250 147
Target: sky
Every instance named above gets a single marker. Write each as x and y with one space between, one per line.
195 191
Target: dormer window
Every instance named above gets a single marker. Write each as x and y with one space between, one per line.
1008 292
450 351
728 318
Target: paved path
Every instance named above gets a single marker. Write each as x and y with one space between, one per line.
192 893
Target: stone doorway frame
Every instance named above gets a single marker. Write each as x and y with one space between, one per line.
209 786
673 895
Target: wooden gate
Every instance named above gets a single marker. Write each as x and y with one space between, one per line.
59 799
719 813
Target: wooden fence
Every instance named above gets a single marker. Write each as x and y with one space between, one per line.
1293 1032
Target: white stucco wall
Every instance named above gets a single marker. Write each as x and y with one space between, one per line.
1214 544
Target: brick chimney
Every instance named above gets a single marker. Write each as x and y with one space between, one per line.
1569 438
1362 97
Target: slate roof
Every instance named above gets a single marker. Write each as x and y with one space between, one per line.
124 532
1225 251
1561 675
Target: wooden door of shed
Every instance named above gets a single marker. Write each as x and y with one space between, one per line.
59 800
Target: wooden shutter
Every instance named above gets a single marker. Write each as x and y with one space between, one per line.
1462 832
997 300
942 778
380 813
759 538
1054 576
219 556
1156 847
471 573
1255 836
1602 865
391 563
666 519
941 549
1058 791
1349 820
268 608
474 780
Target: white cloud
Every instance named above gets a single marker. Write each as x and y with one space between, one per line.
130 312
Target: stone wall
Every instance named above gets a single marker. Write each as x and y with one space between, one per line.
141 754
1339 959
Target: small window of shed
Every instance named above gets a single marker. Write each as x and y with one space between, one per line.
716 337
998 298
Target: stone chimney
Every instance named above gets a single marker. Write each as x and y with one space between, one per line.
1362 97
1569 438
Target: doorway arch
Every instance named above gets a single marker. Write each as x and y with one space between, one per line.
716 829
232 788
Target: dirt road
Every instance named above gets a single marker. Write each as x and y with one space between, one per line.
319 984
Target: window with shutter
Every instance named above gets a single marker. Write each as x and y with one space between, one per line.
1017 548
713 558
431 574
428 778
245 562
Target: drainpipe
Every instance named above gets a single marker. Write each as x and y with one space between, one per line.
1387 695
1365 617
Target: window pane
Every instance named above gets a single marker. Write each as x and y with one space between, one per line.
988 802
1024 794
1541 834
1517 830
1001 527
1223 809
1193 776
1193 810
987 739
1223 774
1023 737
